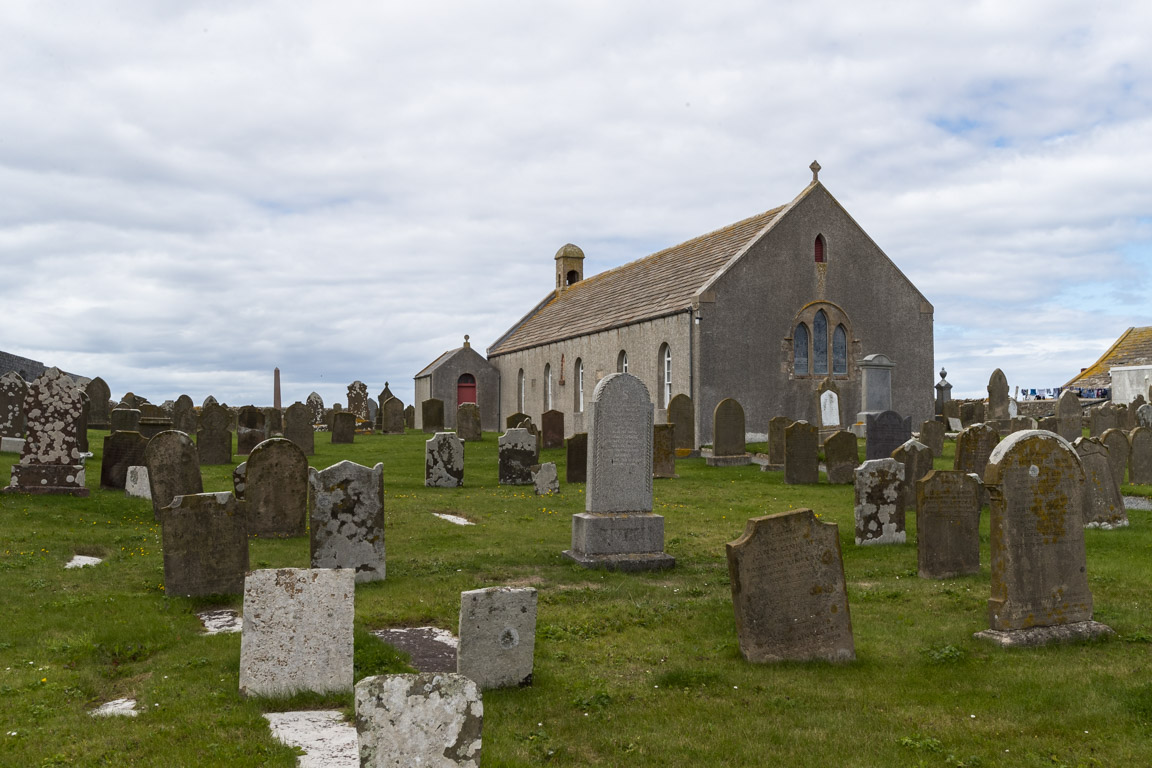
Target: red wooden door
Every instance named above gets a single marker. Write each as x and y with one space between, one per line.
466 389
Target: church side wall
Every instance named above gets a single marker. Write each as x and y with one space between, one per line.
422 391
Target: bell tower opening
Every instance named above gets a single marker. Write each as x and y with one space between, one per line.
569 266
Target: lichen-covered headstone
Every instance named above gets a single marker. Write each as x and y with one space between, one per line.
497 636
136 484
801 454
99 413
297 633
947 524
298 428
432 415
429 719
392 417
315 405
787 577
121 450
545 479
444 461
347 528
932 435
343 427
205 545
51 461
213 440
1118 449
885 432
841 458
576 470
917 460
277 489
468 423
1140 457
13 391
880 502
173 468
1103 506
358 399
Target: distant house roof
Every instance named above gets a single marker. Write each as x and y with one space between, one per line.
661 284
1134 347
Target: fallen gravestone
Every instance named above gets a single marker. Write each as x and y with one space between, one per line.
347 528
430 649
497 636
947 524
205 545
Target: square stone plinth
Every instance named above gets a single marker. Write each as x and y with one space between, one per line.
729 461
1076 632
619 542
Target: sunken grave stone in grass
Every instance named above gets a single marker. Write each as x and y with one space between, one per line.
497 636
552 429
444 461
788 595
240 479
576 469
432 415
617 530
427 719
50 460
932 435
124 420
392 419
801 454
1102 505
682 417
468 423
214 441
343 427
728 435
973 447
663 454
545 479
297 633
1070 415
276 489
841 458
358 399
251 429
173 468
99 413
515 420
13 391
1118 446
917 460
184 418
517 455
315 404
880 502
409 417
298 428
1039 584
886 431
947 524
347 528
1140 457
777 439
1144 416
205 539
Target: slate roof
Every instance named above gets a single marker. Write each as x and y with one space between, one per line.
436 363
1134 347
657 285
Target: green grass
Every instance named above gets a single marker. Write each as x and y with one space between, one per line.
637 670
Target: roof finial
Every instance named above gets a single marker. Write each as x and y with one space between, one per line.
466 344
815 167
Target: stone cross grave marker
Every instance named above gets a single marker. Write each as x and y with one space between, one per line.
347 529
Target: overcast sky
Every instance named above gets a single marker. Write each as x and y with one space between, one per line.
194 193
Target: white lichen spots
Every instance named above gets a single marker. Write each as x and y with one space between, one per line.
79 561
116 707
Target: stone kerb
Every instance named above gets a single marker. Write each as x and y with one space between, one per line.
347 529
497 636
173 468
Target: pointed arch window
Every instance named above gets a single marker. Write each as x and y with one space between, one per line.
818 249
840 351
820 344
548 386
800 350
578 371
664 388
520 391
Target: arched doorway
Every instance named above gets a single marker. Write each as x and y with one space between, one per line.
465 389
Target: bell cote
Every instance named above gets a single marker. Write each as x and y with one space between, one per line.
569 267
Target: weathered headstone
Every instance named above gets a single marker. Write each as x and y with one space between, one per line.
841 458
1140 457
955 424
682 417
535 432
829 419
801 454
273 422
343 427
444 461
947 524
777 427
13 391
251 429
276 490
1049 423
205 543
240 480
392 417
136 484
210 400
618 530
886 431
298 428
173 468
497 636
517 455
1144 416
358 399
373 413
1103 506
99 413
788 594
545 479
347 528
576 470
315 404
409 417
663 454
124 420
51 461
432 415
968 414
429 719
515 420
728 435
973 447
1039 574
998 396
184 418
297 633
1118 450
1069 413
932 435
1102 417
552 429
213 441
468 423
917 460
153 420
879 502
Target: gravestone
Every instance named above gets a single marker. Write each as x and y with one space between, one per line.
777 427
51 461
1049 423
1140 456
801 454
932 435
444 461
1022 424
82 424
545 479
409 417
998 396
99 414
968 414
373 413
273 422
276 489
343 427
347 529
136 483
132 401
617 530
879 502
952 411
392 417
875 388
829 419
517 455
298 428
728 435
943 394
315 405
682 417
576 470
121 450
205 543
532 430
947 524
1070 415
240 479
1039 573
515 420
917 460
428 719
1101 418
1124 420
173 468
210 400
663 454
124 420
13 391
497 636
552 429
432 415
213 440
955 424
886 432
788 594
973 447
184 418
468 423
1144 416
1118 449
841 458
358 399
297 633
153 420
251 429
1103 505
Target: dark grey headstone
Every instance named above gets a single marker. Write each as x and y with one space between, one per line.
917 460
173 468
947 524
99 414
1103 505
1118 449
886 431
392 417
973 447
276 490
205 545
432 415
13 391
841 457
552 429
343 427
125 420
121 450
298 428
998 408
801 454
663 454
468 423
214 441
1070 415
728 429
682 416
932 435
516 419
251 429
184 417
777 427
576 470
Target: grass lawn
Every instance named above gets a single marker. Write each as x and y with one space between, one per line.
636 670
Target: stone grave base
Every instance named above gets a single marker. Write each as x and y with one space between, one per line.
650 561
672 476
729 461
687 453
1037 636
617 534
11 444
63 479
771 467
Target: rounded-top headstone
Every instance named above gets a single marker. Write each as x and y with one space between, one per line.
620 446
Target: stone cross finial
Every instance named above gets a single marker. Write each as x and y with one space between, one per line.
466 344
815 168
